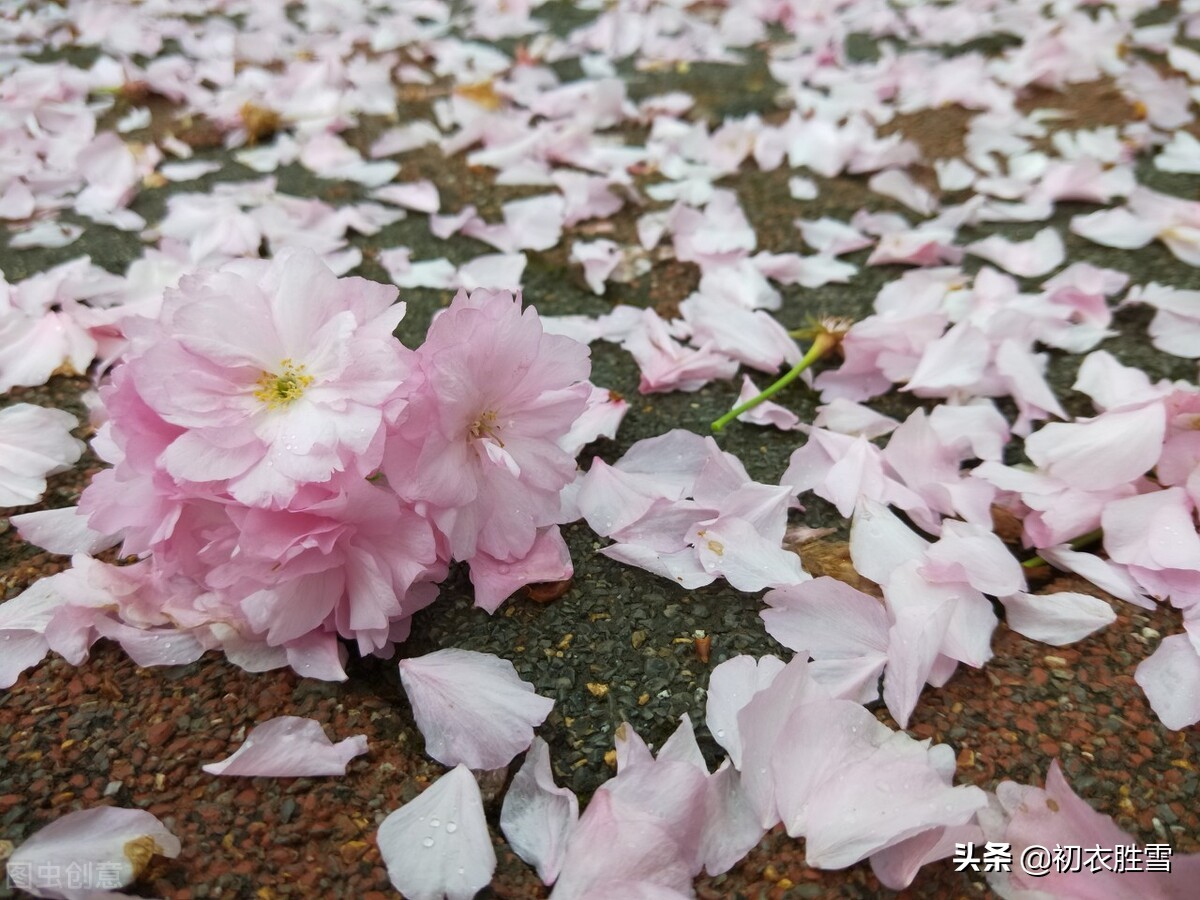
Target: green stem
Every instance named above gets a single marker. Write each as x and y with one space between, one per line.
1075 543
822 345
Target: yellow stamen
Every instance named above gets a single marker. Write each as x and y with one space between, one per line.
278 389
485 426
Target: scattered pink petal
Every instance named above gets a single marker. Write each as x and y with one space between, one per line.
497 580
538 817
1110 450
64 531
599 260
766 413
1057 619
438 845
844 630
852 787
419 195
472 708
109 846
290 747
46 234
731 686
1056 816
34 442
612 846
1153 531
898 185
1171 679
1040 255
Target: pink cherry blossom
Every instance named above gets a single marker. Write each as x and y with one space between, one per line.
479 444
296 393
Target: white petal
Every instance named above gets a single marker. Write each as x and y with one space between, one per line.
290 747
107 846
538 816
64 531
1057 619
880 542
731 828
1171 679
826 618
680 566
733 548
730 687
438 844
760 723
1115 228
1037 256
472 707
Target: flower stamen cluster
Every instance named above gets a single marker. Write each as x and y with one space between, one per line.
277 390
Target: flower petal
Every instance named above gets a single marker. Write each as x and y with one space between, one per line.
1057 619
472 707
438 844
730 687
108 846
538 816
1171 679
290 747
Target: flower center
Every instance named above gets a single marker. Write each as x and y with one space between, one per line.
278 389
485 427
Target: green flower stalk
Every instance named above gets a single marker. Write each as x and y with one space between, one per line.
826 336
1075 544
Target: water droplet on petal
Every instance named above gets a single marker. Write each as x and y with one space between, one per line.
451 828
428 842
435 822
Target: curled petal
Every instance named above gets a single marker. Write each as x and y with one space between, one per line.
108 847
538 816
290 747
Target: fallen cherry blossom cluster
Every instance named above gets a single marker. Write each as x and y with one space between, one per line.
289 473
